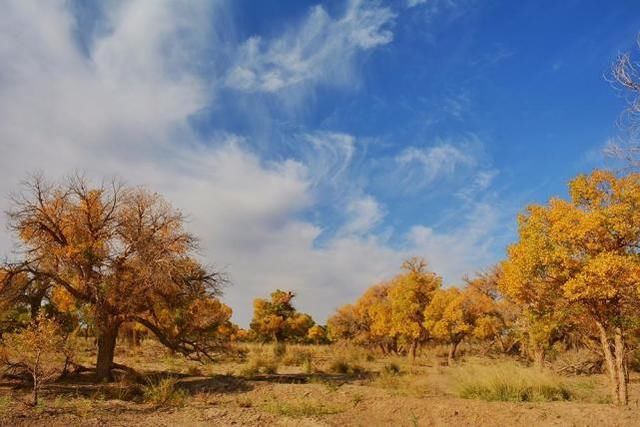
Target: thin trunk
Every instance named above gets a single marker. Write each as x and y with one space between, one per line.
452 352
107 337
539 356
413 349
609 361
35 390
35 375
621 366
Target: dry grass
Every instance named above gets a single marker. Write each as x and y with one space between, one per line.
333 389
261 361
509 382
164 393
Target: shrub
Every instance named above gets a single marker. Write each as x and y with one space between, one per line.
164 393
279 349
509 382
296 356
194 371
260 363
37 351
391 369
342 366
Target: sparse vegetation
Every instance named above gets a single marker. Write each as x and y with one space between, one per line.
164 392
302 408
260 362
509 382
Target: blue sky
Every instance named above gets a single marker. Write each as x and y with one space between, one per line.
315 145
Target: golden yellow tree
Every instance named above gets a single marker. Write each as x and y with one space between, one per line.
410 293
582 254
37 350
532 278
123 256
317 334
455 314
367 322
276 318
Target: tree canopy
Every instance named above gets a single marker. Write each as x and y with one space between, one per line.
119 254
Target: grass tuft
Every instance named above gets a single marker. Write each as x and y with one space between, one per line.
164 393
260 363
509 382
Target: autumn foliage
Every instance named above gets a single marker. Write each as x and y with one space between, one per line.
116 261
276 319
579 258
110 255
39 351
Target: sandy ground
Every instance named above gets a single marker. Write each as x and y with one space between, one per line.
227 402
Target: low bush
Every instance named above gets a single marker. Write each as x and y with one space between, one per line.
164 393
260 363
296 356
344 367
391 369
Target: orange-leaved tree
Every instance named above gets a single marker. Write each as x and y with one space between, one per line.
410 293
455 314
276 319
582 254
532 278
38 350
367 322
121 254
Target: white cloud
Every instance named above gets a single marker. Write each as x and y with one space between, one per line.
464 250
123 105
422 166
414 3
321 50
328 155
363 214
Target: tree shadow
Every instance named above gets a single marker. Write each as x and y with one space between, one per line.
215 384
322 377
84 385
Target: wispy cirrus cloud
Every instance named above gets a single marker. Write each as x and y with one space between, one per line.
420 167
321 50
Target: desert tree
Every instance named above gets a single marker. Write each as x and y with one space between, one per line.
38 350
276 319
455 314
122 255
589 262
410 293
625 76
532 278
367 322
317 334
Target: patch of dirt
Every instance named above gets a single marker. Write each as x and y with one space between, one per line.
247 404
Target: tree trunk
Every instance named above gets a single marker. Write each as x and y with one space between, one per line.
452 352
621 367
35 303
614 385
413 349
35 390
107 337
539 356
